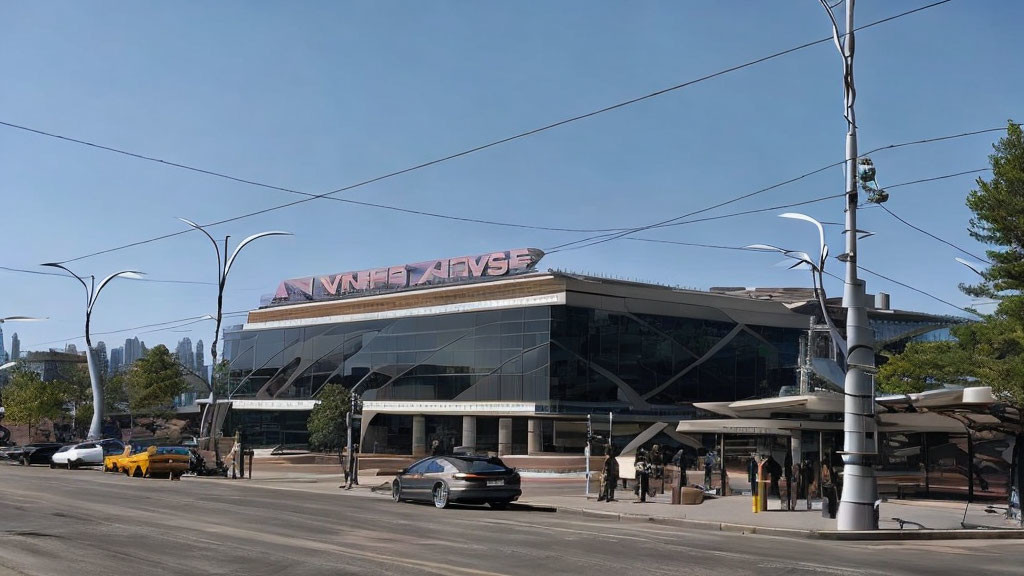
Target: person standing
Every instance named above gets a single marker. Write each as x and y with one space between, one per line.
643 474
435 448
774 470
752 474
610 476
657 468
709 467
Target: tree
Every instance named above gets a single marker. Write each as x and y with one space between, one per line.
152 383
989 352
923 366
327 421
998 207
28 400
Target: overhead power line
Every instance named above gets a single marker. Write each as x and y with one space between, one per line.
310 197
746 249
607 237
141 279
188 321
933 236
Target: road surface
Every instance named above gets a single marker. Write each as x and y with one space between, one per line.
84 522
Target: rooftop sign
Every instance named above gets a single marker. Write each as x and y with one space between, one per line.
393 278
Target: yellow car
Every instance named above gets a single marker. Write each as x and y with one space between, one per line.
155 461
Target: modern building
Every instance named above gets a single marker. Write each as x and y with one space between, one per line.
186 354
200 361
133 350
70 349
15 347
487 352
116 359
3 351
100 351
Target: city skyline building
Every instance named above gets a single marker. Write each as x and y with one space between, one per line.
185 353
116 359
3 352
15 347
200 360
100 351
70 349
133 350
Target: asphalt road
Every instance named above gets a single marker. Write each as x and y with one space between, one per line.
85 522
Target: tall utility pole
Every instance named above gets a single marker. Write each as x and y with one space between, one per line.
860 488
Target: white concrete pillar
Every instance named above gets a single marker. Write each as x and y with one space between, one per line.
419 435
535 442
469 432
504 436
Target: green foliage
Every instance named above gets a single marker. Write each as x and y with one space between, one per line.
998 207
989 352
924 366
150 385
28 400
327 421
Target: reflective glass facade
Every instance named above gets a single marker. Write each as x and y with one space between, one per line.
564 358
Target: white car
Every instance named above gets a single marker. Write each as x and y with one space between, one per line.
85 454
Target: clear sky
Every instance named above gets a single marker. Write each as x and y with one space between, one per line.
318 95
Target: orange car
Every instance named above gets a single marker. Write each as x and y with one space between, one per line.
155 461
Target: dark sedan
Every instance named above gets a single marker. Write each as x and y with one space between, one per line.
39 453
461 479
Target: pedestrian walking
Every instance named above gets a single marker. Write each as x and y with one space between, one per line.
435 448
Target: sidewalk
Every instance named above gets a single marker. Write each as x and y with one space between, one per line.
922 520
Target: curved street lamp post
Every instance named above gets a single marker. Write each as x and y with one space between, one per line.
223 268
92 292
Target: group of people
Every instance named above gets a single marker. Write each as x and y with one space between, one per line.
799 478
647 464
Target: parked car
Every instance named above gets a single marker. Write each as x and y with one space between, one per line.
86 453
38 453
149 462
462 479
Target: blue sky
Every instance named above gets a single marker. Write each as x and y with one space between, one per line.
318 95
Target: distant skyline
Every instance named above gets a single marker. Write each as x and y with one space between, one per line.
318 95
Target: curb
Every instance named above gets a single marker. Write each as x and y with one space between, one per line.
833 535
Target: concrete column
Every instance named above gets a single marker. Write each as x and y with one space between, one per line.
419 435
469 432
535 443
504 436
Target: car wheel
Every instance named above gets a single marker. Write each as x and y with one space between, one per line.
52 465
396 491
498 505
71 465
441 495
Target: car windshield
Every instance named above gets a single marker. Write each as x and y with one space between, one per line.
172 450
64 448
489 465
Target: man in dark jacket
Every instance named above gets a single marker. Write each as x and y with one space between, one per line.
610 476
774 470
643 474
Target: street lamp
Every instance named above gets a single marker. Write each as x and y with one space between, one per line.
223 268
92 292
817 268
